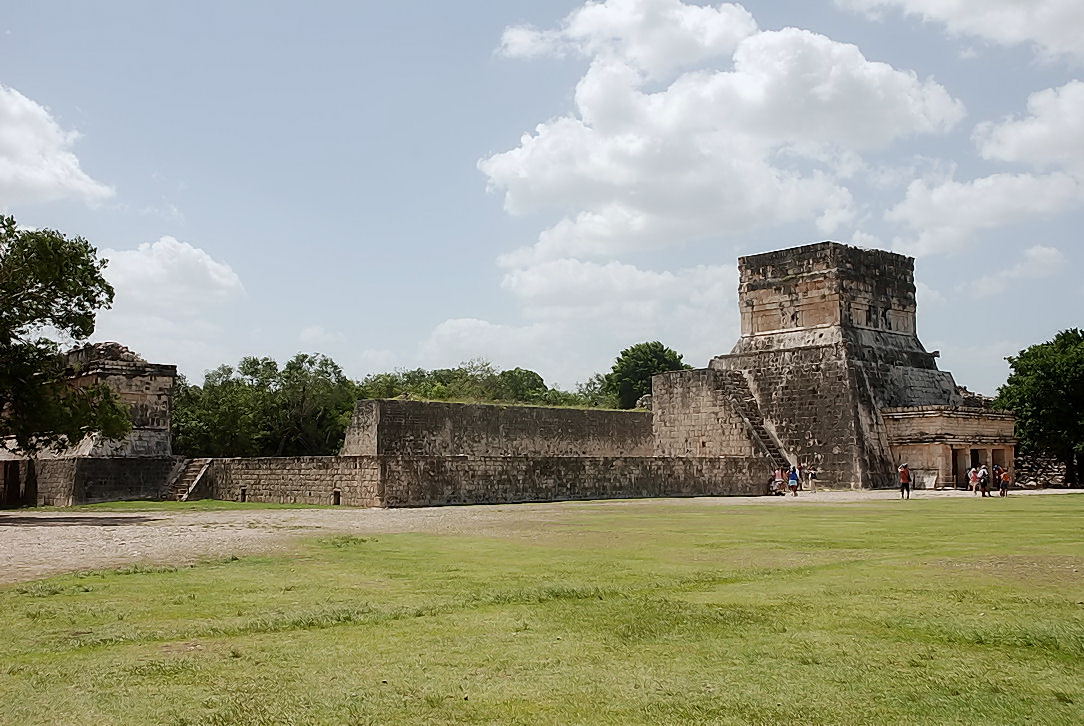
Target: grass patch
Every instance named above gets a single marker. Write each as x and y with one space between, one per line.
940 611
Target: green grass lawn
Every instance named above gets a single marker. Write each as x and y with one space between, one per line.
961 611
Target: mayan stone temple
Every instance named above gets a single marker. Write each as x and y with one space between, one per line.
828 373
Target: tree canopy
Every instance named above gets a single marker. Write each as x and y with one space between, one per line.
261 409
49 281
479 381
1046 392
302 408
630 377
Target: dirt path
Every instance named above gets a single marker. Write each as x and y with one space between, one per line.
37 544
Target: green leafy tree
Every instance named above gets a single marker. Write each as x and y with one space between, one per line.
520 384
260 409
49 280
1046 392
478 381
630 377
311 407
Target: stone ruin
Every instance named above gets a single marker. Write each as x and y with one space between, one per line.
828 372
96 469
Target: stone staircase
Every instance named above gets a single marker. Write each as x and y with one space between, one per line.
736 387
186 479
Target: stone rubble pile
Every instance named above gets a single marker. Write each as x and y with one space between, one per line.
1039 471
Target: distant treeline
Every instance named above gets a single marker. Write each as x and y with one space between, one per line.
302 408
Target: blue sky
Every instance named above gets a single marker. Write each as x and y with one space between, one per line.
544 183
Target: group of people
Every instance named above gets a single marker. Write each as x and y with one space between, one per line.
784 480
979 480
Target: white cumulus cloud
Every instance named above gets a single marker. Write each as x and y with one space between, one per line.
1054 27
570 289
714 152
167 295
581 313
170 276
1050 136
36 159
946 216
654 36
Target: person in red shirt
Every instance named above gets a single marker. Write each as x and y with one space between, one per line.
905 482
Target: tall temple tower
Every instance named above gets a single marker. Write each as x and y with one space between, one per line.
828 372
828 339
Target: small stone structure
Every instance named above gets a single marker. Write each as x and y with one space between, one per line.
145 387
98 470
828 372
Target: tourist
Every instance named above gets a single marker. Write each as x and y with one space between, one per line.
984 480
793 480
1003 484
780 482
811 477
905 481
801 475
973 480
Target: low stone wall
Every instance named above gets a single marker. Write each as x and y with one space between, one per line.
50 482
429 428
64 482
416 481
295 480
118 478
422 481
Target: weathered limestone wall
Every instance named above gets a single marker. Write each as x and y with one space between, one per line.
427 428
116 479
64 482
415 481
806 395
297 480
145 387
421 481
694 417
51 482
826 285
362 435
948 423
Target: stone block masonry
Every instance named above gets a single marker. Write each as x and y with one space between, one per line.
428 428
347 480
64 482
423 481
415 481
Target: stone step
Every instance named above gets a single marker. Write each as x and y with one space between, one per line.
181 485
